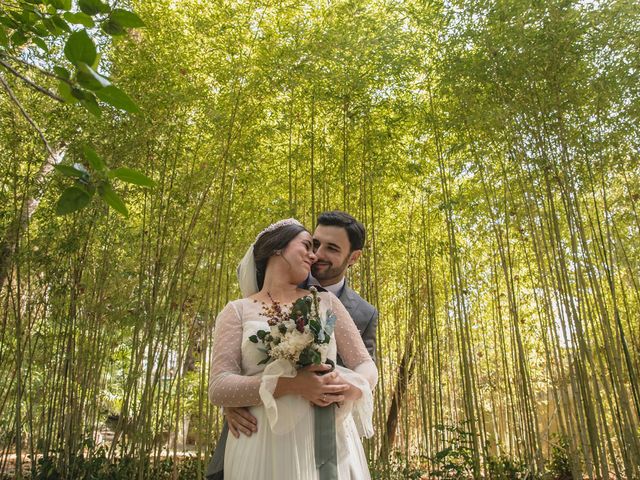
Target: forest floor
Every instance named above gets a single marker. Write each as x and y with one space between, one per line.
9 463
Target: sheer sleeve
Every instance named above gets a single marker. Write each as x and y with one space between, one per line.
228 387
351 348
361 371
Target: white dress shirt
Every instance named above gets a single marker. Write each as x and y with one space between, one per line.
336 288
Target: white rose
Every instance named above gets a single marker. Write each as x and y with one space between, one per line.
295 342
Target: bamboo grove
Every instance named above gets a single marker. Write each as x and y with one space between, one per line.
491 149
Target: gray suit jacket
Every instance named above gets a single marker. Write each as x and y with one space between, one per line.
364 315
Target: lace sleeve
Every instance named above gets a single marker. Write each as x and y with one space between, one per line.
228 387
351 348
361 371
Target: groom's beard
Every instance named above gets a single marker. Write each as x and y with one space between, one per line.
328 271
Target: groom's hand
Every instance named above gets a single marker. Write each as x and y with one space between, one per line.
239 420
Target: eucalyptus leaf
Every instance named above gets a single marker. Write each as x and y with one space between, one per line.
72 199
80 94
60 4
39 29
113 28
51 27
60 23
89 78
93 158
126 19
9 22
90 103
64 90
80 48
117 98
4 40
93 7
18 38
131 176
62 72
41 43
68 171
79 18
112 199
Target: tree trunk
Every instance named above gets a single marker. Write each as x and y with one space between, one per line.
405 372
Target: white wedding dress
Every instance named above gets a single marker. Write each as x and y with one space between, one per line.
283 447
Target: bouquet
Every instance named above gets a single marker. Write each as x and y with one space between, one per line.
298 333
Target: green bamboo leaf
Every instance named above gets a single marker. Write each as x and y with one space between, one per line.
112 199
117 98
131 176
80 48
93 158
72 199
126 18
79 18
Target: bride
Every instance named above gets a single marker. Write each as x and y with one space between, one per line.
283 401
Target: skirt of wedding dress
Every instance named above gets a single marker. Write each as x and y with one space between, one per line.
290 456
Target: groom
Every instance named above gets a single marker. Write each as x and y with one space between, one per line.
337 241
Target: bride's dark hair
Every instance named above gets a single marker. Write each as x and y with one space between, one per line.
269 243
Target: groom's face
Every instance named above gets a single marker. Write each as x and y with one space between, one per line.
333 252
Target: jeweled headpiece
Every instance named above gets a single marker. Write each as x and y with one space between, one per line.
277 225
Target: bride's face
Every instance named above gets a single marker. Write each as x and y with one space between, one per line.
299 256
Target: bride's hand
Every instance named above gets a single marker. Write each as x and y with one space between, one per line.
321 390
353 393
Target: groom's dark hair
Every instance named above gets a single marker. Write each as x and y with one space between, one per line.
355 229
269 243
